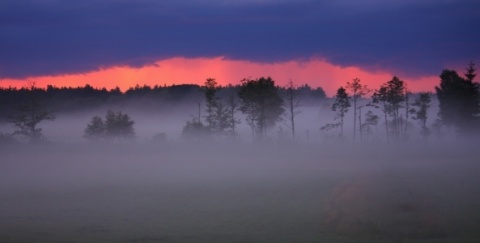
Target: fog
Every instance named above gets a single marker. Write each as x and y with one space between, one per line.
317 188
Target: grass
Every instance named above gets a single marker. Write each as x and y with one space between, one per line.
125 193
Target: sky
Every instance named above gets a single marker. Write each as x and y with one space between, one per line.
322 43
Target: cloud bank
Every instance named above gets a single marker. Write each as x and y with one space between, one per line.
413 38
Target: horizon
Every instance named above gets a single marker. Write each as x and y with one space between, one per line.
320 43
329 78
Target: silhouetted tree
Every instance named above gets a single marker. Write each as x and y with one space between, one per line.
420 112
195 130
357 90
470 74
211 101
95 129
361 129
459 100
119 125
116 125
309 95
379 100
29 115
341 105
390 97
232 108
407 111
292 107
261 104
221 121
220 117
370 121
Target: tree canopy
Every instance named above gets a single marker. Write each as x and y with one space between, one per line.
261 103
117 125
459 100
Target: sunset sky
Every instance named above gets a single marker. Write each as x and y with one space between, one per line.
322 43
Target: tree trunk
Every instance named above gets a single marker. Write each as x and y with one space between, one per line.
292 118
386 124
354 116
360 124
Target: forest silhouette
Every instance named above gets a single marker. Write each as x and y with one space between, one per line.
261 104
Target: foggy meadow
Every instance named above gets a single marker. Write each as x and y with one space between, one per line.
225 164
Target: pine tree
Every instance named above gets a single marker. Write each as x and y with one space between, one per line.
470 74
341 105
390 98
211 100
358 90
459 100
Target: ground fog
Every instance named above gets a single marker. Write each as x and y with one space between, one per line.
239 192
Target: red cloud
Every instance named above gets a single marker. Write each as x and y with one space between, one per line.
316 72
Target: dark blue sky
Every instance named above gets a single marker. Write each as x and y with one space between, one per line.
413 38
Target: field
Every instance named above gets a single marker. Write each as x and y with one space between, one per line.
237 193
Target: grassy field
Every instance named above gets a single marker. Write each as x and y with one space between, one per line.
243 193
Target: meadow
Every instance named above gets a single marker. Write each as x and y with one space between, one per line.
239 192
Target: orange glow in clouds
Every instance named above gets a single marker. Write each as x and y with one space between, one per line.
179 70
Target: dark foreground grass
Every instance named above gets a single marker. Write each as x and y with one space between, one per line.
184 193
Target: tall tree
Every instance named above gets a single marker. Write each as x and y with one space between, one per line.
341 105
380 101
390 97
358 90
211 100
221 119
459 100
232 108
219 115
261 104
470 74
407 111
292 107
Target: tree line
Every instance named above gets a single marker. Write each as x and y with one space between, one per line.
23 107
72 99
458 100
262 104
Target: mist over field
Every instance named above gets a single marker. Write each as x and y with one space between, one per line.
244 121
314 189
